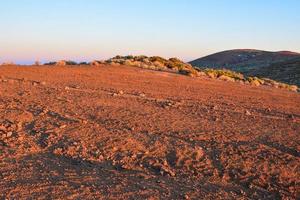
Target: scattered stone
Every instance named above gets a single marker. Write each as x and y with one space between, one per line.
100 157
214 107
43 83
84 121
291 116
248 113
142 95
67 88
9 134
34 83
120 92
165 163
2 128
166 171
63 126
45 111
19 126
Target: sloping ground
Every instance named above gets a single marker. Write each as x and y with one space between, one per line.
288 71
177 66
246 61
115 132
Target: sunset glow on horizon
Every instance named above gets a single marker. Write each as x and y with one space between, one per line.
84 30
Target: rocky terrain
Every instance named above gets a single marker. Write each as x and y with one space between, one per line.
111 131
252 62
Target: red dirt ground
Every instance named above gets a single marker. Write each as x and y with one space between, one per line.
127 133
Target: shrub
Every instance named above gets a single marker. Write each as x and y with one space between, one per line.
50 63
158 59
188 72
83 63
216 73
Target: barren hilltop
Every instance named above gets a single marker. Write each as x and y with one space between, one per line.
113 131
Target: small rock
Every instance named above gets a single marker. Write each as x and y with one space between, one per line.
67 88
19 126
142 95
115 149
101 157
169 104
2 128
9 134
134 156
121 92
43 83
34 83
45 111
248 113
63 126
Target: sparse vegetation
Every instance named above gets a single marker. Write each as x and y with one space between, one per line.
50 63
62 63
178 66
224 72
8 64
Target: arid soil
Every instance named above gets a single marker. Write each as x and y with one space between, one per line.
116 132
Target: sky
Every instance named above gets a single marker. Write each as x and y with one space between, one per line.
84 30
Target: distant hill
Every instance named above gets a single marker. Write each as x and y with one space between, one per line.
281 66
287 71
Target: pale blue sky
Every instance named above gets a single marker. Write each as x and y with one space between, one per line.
48 30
